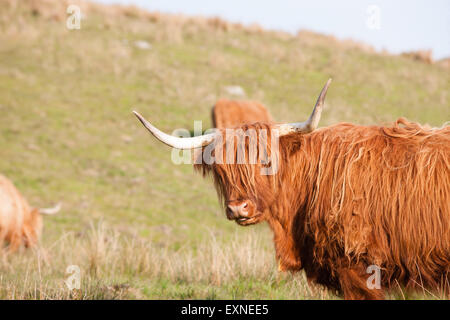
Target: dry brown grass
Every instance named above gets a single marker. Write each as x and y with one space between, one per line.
425 56
311 38
108 260
120 265
175 27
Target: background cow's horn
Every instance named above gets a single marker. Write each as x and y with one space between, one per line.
175 142
312 122
51 211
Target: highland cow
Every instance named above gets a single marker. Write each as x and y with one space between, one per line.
19 223
231 114
347 200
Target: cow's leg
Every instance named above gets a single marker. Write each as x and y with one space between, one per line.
354 285
288 259
287 263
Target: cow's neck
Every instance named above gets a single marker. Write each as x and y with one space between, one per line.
288 213
286 221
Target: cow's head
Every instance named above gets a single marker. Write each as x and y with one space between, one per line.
246 180
32 227
33 224
243 177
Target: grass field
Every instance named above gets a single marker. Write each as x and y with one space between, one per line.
137 225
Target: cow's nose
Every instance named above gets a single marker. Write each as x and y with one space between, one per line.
237 210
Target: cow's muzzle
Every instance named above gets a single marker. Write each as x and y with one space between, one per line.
244 212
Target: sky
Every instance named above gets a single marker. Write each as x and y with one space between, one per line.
396 26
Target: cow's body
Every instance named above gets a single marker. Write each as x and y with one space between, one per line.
348 203
231 114
19 223
348 197
354 197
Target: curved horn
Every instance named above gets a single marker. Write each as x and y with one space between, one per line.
175 142
51 211
313 120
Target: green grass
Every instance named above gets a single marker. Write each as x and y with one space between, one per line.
67 134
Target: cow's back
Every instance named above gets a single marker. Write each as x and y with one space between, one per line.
231 114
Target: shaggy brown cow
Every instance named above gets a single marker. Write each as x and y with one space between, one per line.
231 114
19 223
347 201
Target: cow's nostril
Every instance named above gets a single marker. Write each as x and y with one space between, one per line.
229 213
245 205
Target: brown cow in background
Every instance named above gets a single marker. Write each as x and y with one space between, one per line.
19 223
359 208
231 113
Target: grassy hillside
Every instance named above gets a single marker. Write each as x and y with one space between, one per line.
136 224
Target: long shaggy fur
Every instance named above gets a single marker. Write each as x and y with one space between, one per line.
231 114
347 196
19 223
